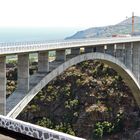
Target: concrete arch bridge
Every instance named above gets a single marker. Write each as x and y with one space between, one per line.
122 54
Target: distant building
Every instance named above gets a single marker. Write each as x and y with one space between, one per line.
135 34
121 35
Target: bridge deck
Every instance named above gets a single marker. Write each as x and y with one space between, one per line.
19 47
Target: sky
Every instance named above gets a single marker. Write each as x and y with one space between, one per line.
65 13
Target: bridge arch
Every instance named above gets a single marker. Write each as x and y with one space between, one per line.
124 72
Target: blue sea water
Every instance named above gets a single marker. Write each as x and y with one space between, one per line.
35 34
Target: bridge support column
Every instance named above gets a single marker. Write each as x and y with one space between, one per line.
124 54
115 47
43 62
75 51
105 48
23 73
89 49
59 59
100 49
129 55
3 85
132 56
136 60
60 55
120 52
109 49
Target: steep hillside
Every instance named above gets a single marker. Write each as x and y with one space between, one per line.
89 100
123 27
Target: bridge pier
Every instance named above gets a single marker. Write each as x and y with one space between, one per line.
105 48
136 60
23 73
129 55
60 55
59 59
120 50
75 51
109 49
43 61
3 85
89 49
100 49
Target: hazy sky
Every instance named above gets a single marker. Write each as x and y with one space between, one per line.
65 13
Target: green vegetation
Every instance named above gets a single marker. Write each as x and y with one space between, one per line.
63 127
107 128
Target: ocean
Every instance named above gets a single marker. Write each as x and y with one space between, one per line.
17 34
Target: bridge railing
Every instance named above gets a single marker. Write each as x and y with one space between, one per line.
33 130
32 46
